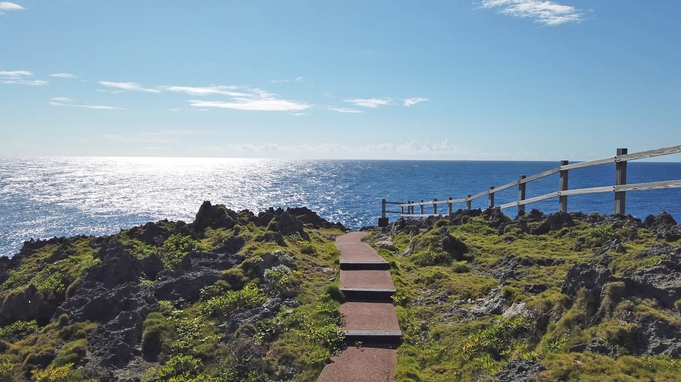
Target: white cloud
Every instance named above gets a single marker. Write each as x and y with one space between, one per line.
299 78
207 90
63 75
132 86
345 110
413 101
546 12
7 6
279 81
263 104
241 98
18 77
59 101
370 102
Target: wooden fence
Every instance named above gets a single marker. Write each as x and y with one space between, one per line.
620 188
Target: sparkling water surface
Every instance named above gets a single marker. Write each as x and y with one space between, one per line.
41 197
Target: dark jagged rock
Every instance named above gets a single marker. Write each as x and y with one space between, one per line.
554 222
612 245
150 233
311 218
213 217
520 370
210 261
183 286
664 226
288 224
661 282
588 277
594 347
250 316
656 337
230 246
495 218
151 266
26 305
492 305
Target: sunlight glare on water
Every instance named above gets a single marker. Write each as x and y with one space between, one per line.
41 197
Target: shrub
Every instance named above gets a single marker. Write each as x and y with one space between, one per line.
71 353
336 294
157 331
222 306
499 338
18 330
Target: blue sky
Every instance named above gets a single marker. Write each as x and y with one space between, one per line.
485 79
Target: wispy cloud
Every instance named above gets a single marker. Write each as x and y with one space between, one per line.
263 104
18 77
370 102
245 98
64 101
206 90
546 12
63 75
131 86
279 81
413 101
7 6
344 110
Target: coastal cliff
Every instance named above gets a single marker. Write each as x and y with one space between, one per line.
235 296
540 297
232 296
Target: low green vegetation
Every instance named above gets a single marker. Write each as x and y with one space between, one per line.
447 270
191 340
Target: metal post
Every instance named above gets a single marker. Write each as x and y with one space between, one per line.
621 179
563 186
521 195
411 208
383 208
421 205
449 206
401 210
434 206
468 202
490 198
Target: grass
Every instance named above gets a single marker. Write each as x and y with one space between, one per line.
429 281
185 342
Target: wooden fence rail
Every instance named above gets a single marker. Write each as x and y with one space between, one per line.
620 187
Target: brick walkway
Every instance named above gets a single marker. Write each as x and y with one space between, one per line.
370 316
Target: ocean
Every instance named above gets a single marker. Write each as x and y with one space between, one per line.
42 197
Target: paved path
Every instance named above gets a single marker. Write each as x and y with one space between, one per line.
370 316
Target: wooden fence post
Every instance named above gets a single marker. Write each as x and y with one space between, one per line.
620 179
563 186
434 206
383 208
521 195
421 205
490 200
468 202
449 206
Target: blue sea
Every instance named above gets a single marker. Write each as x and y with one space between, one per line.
41 197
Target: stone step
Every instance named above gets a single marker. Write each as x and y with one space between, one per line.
373 337
364 265
368 295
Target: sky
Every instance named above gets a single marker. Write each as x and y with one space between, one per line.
461 80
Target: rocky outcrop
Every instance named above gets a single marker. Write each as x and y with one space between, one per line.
26 305
520 370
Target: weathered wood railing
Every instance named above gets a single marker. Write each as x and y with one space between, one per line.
620 188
